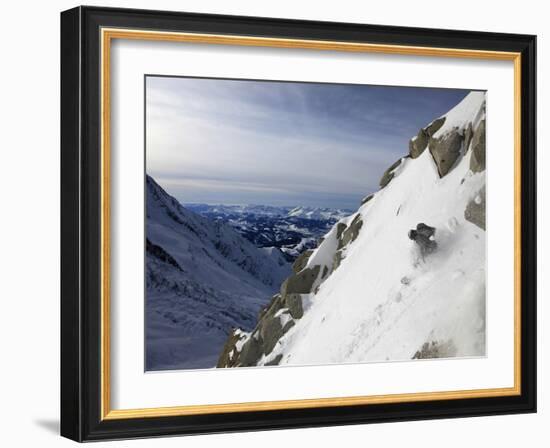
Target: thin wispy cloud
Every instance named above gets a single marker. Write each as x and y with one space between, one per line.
280 143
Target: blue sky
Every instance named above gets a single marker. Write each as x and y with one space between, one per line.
279 143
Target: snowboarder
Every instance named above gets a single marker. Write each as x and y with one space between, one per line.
424 237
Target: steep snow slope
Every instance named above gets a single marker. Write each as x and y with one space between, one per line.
366 294
378 304
202 278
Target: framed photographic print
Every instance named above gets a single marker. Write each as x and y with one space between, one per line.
273 223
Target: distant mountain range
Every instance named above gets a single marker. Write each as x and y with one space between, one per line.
291 229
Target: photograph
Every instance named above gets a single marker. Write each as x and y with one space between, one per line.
301 223
279 221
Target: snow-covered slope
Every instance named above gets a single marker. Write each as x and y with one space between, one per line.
203 279
366 293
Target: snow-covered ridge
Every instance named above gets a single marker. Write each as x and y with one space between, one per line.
369 292
471 110
202 279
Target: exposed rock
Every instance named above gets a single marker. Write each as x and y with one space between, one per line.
367 199
446 150
301 262
250 353
435 349
294 304
468 134
475 210
301 282
434 126
389 173
325 272
340 227
270 333
161 254
275 361
274 305
477 159
418 144
350 234
229 349
337 259
265 336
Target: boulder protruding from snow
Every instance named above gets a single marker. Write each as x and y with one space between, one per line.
301 282
468 134
350 234
389 173
366 199
477 159
301 262
446 150
475 210
418 144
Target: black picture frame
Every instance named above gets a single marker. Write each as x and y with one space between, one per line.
81 224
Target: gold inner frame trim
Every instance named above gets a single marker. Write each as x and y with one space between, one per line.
107 35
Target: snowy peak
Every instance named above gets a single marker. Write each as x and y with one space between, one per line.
215 238
202 279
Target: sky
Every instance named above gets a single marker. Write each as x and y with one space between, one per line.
220 141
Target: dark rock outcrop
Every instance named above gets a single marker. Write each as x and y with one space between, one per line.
161 254
468 134
269 330
477 160
294 304
446 150
389 173
228 350
475 210
250 354
300 283
366 199
301 262
350 234
418 144
275 361
340 227
337 259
